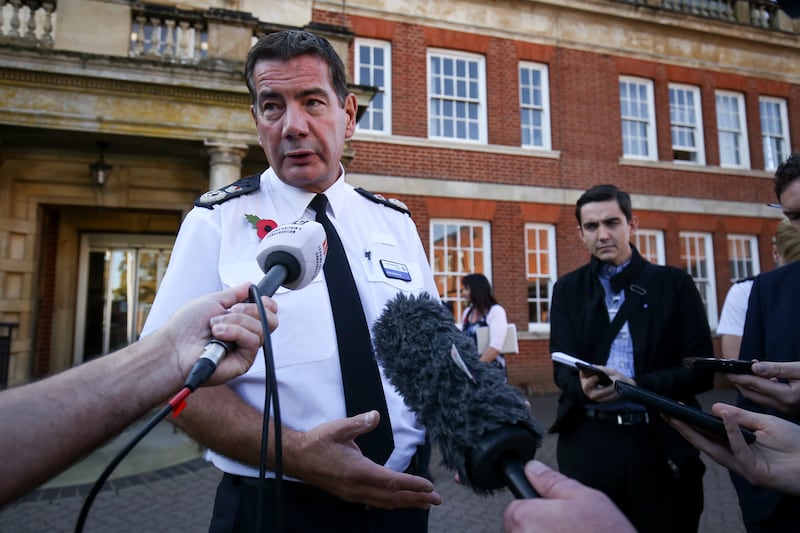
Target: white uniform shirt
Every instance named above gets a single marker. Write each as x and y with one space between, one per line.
216 248
734 310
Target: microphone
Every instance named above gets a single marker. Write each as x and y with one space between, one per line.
291 255
482 425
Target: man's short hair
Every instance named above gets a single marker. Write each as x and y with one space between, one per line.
786 173
604 193
288 44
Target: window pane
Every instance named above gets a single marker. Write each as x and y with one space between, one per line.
457 111
373 69
540 261
457 249
534 112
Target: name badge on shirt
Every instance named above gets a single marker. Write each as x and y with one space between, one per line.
395 270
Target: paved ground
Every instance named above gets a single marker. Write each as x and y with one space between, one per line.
178 498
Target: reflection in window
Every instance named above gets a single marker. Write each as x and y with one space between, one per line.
458 248
540 251
650 244
743 256
697 258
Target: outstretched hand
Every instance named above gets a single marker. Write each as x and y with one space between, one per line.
225 316
772 461
775 385
329 459
565 506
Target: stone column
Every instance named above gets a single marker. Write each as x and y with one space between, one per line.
225 165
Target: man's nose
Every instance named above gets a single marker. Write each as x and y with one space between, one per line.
294 121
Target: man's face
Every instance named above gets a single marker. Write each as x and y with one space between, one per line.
301 125
605 231
790 203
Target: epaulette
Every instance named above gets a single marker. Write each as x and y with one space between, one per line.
394 203
237 188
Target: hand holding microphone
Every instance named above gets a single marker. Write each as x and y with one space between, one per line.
482 425
291 255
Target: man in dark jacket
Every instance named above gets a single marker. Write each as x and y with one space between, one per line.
605 441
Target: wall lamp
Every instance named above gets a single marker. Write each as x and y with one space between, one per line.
101 170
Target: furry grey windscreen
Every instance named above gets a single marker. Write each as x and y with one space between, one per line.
413 340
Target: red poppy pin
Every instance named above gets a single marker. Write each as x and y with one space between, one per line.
262 225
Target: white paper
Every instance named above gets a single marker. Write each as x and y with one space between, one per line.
566 359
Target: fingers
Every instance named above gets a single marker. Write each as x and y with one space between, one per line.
339 467
716 450
242 329
549 483
786 370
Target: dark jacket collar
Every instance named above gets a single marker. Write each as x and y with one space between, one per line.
627 276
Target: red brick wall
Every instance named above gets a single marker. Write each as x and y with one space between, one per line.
584 103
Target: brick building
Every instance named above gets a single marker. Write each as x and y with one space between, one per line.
487 119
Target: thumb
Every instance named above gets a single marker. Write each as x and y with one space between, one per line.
361 423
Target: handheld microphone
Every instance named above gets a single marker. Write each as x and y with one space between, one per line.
291 255
482 425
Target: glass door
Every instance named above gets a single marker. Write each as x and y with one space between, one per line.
118 278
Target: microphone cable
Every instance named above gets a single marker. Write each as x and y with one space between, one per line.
270 400
200 372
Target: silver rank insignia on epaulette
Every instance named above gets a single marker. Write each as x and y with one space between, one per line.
237 188
394 203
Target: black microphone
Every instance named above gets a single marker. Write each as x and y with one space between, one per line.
482 425
291 255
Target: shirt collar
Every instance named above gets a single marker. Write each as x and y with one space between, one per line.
607 270
297 199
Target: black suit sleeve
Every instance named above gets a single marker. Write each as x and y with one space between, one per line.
563 338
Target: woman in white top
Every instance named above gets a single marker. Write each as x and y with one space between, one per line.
483 310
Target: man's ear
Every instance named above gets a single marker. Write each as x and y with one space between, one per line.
255 120
350 109
634 222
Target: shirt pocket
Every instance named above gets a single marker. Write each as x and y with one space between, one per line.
389 265
305 332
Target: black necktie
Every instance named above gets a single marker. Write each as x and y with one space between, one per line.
363 390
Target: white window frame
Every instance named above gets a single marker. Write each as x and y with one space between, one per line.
774 131
538 104
539 249
443 273
686 123
694 246
633 119
650 243
384 93
461 107
734 148
743 249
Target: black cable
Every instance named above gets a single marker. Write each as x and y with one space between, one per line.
200 372
270 398
118 459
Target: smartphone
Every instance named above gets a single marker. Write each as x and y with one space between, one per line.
592 370
701 420
715 364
